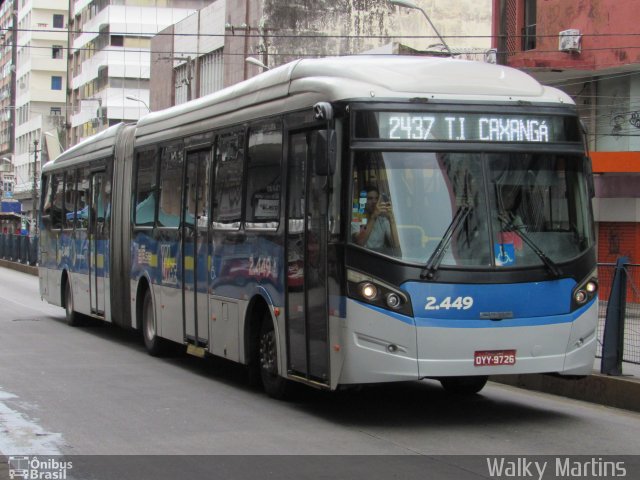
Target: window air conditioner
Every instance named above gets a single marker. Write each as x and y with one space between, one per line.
570 40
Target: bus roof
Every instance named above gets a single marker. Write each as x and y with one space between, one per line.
371 77
97 146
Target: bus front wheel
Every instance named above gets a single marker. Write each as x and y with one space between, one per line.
464 385
274 385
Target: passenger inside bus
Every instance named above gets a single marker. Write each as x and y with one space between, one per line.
377 230
170 201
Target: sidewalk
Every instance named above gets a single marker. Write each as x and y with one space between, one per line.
621 392
19 267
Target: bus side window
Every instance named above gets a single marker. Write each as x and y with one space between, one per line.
82 212
171 163
146 191
56 207
45 208
69 199
263 175
227 190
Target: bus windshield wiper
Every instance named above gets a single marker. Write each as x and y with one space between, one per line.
436 257
510 227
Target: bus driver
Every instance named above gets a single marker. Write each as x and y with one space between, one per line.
379 231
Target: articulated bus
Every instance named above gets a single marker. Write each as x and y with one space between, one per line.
339 222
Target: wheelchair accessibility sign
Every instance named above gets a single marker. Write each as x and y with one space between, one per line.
505 254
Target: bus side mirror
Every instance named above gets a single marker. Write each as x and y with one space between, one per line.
325 153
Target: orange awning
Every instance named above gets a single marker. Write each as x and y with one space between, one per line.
619 162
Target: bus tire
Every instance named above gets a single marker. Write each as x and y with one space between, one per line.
156 346
73 318
274 385
464 385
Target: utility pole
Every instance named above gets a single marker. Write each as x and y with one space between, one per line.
34 191
188 80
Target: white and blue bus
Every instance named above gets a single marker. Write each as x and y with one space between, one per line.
339 222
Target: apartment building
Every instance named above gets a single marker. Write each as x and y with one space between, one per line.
7 95
38 111
109 60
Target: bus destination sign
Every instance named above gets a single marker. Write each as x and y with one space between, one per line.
471 127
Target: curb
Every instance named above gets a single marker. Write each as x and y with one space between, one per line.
20 267
620 392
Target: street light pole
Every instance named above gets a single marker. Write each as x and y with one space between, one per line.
256 62
413 6
136 99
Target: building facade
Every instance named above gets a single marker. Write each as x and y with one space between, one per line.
110 59
591 50
277 32
8 52
39 92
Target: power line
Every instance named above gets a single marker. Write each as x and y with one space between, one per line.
471 50
270 34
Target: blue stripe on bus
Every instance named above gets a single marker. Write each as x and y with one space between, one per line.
470 301
478 323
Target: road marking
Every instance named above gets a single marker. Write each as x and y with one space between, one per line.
20 435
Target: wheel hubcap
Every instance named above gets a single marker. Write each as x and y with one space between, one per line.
268 353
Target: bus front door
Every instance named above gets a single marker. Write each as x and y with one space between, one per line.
195 248
306 244
97 242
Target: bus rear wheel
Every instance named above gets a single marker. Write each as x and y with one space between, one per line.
72 317
155 345
464 385
274 385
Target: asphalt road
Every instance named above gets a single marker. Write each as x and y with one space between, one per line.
94 391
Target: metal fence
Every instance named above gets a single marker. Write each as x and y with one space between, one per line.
606 271
19 248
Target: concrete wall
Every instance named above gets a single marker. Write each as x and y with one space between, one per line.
317 28
161 91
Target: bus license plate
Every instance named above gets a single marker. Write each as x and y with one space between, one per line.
488 358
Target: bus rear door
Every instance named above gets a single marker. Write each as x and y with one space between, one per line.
306 243
195 248
97 241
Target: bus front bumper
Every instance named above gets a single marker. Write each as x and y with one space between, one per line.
382 347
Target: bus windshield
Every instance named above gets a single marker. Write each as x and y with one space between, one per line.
480 210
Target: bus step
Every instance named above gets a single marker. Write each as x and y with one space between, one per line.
195 351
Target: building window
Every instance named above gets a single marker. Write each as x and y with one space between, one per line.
56 111
56 51
58 20
211 72
117 41
529 29
56 83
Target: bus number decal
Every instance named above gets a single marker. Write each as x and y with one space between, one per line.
263 267
460 303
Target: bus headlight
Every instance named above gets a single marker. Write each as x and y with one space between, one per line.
585 291
393 300
368 290
373 291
